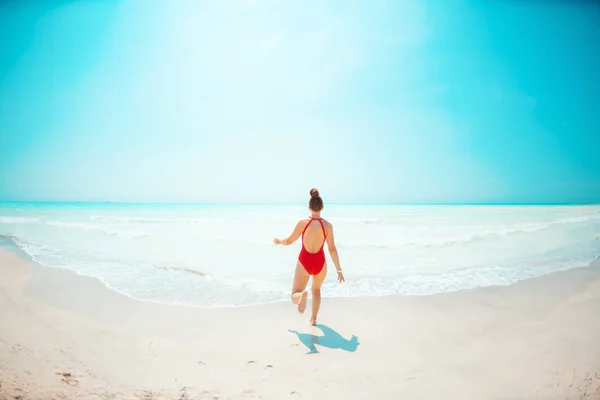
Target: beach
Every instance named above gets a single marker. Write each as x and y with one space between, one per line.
66 336
160 167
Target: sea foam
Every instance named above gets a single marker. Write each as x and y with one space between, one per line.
224 256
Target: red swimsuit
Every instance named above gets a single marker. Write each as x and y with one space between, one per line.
313 263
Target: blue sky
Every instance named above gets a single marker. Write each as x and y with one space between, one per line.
260 100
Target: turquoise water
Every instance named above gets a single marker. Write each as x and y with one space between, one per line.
222 254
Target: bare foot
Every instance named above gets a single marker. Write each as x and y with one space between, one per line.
313 321
302 303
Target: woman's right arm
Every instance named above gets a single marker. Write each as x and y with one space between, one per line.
334 253
293 236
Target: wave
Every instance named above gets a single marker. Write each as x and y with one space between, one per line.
440 236
17 220
367 221
519 229
36 251
91 227
148 220
197 220
480 236
126 277
180 269
390 220
33 250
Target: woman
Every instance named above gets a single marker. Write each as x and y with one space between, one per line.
315 232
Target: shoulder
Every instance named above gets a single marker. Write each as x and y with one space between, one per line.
302 223
328 225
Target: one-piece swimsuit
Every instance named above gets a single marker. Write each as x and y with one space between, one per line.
313 263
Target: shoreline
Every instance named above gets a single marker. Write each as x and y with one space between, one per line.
67 336
12 247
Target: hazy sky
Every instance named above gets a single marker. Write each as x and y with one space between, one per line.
259 100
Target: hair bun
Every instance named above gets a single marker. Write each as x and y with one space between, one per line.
314 193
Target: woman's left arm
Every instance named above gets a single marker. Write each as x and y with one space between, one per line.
293 237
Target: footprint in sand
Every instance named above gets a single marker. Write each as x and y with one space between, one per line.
254 366
17 348
250 366
269 369
67 378
295 395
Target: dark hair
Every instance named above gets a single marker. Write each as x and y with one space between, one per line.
316 202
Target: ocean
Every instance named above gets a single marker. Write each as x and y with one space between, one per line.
223 255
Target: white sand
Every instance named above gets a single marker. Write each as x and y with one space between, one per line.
64 336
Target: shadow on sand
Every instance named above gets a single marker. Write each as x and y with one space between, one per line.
330 339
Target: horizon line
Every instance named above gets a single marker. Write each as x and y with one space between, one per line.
423 203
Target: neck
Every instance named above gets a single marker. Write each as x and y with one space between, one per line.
315 214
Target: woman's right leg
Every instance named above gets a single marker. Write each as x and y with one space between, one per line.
299 294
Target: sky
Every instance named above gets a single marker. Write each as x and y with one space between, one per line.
261 100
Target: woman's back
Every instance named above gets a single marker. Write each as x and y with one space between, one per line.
314 235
